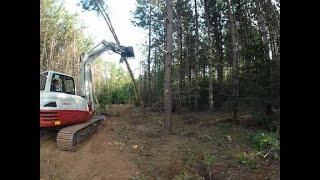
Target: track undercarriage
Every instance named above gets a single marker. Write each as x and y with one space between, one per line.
68 137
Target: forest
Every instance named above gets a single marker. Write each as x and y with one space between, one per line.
224 55
204 60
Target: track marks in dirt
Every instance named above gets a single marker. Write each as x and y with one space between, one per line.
94 159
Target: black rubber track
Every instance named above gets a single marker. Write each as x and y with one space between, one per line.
70 136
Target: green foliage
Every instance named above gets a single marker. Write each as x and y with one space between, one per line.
61 39
92 5
118 88
206 164
209 160
183 175
142 14
263 120
264 142
225 127
244 159
255 69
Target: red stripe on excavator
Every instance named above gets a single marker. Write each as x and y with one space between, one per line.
66 117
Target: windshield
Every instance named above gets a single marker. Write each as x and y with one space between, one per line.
62 83
43 80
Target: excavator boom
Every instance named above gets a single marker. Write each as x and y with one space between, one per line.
85 66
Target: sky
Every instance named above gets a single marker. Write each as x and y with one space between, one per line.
120 13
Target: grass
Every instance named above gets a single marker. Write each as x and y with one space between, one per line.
225 128
247 159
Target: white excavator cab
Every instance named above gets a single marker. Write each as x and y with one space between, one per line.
51 81
61 107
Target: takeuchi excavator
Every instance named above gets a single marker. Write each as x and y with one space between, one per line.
60 107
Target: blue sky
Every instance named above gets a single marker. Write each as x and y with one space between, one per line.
120 16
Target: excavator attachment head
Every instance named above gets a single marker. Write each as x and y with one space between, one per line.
128 52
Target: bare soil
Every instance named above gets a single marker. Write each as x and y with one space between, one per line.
94 158
131 146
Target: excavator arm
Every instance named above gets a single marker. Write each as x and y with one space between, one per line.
86 59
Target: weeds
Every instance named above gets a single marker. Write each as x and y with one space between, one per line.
242 158
225 127
209 160
206 163
183 175
265 142
263 121
245 159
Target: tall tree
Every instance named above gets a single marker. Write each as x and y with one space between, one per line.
234 61
231 46
219 48
206 8
196 44
267 60
149 93
143 17
97 5
61 39
168 60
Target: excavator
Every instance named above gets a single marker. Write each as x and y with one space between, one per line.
74 116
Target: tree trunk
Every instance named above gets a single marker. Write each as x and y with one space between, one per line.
107 19
145 87
180 64
44 49
196 44
218 38
168 59
51 52
209 58
188 67
234 62
74 54
155 82
149 58
265 41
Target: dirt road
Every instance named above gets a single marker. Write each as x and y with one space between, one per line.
95 158
131 146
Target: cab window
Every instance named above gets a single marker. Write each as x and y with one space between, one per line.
62 83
